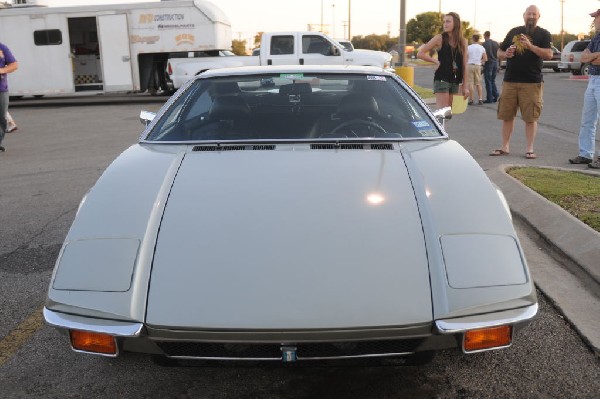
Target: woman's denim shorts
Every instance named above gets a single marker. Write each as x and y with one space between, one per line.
441 86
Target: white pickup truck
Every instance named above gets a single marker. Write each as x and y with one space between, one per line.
280 48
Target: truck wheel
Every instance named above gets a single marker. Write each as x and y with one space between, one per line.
585 69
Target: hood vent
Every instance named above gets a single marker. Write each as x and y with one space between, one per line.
382 146
256 147
262 147
352 146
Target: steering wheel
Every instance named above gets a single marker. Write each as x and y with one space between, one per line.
371 127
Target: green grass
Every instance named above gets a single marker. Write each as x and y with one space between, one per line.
577 193
423 92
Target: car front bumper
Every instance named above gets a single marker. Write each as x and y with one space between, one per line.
286 346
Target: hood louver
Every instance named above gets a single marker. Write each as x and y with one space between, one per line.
352 146
315 146
257 147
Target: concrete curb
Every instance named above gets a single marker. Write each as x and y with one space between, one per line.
568 289
569 235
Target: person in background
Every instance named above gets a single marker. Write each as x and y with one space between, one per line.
591 101
525 47
475 57
8 64
451 62
11 125
490 68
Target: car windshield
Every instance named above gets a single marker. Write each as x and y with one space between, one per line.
294 106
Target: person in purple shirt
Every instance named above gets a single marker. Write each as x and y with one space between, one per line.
8 64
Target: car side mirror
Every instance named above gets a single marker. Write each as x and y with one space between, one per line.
443 114
146 117
334 50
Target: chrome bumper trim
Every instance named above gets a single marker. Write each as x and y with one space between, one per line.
462 324
299 359
111 327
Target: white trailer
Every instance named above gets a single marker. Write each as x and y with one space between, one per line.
107 48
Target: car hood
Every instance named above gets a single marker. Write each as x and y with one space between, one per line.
290 239
368 54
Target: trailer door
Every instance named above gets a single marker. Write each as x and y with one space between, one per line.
113 37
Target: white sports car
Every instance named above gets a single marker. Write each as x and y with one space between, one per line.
292 213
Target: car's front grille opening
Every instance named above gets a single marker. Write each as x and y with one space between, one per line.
307 351
220 350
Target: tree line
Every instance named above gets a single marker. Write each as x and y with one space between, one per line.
419 30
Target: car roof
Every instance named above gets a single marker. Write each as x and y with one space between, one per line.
572 43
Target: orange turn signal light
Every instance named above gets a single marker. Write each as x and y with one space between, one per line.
487 338
93 342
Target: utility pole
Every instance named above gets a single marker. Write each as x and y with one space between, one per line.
322 16
333 19
475 16
562 31
349 35
402 37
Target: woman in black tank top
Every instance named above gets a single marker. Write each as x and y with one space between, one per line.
451 61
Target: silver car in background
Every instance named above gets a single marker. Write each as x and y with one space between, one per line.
571 57
288 214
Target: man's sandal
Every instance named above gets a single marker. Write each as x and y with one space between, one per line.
530 155
498 152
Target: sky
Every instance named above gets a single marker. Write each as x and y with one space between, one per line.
383 16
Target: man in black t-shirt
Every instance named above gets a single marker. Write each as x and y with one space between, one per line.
524 48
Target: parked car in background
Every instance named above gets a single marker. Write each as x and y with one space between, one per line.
346 44
281 48
553 63
326 215
571 57
550 64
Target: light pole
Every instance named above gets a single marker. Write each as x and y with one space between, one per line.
475 16
402 37
321 16
562 31
349 6
333 19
